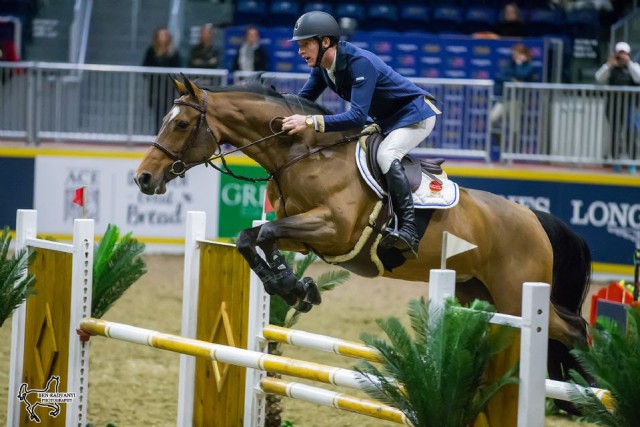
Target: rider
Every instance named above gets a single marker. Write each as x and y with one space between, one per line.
404 111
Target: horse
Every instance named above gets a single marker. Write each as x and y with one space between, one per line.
323 205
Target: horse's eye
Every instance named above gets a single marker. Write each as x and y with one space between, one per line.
182 125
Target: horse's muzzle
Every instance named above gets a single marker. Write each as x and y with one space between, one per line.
145 182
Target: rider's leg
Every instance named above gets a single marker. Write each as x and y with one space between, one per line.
394 147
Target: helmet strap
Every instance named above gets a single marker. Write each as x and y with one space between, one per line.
321 51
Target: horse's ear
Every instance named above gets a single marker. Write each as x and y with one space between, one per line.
191 87
179 86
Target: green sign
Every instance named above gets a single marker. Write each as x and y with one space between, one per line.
240 201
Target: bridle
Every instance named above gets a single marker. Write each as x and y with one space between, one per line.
179 167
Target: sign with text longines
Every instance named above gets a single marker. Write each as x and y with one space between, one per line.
111 196
606 215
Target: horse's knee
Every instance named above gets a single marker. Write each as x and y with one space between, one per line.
245 242
266 234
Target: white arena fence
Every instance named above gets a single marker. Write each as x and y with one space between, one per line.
113 103
571 124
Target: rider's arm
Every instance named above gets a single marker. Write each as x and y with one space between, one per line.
314 86
634 71
363 79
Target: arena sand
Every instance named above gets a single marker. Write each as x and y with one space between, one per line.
134 386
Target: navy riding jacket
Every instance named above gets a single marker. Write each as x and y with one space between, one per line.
374 89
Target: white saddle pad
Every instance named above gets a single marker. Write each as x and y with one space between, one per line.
430 195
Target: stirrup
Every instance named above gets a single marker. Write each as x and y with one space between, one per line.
395 240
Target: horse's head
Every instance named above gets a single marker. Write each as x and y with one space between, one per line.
184 140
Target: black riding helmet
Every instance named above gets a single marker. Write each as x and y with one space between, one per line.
316 25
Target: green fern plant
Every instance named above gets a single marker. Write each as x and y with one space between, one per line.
15 286
116 266
613 360
435 377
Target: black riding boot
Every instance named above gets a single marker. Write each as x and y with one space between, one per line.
404 237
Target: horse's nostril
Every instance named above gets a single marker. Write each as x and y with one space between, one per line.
143 179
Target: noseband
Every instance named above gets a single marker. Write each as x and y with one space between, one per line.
179 167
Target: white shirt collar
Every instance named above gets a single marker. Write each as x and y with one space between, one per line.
332 69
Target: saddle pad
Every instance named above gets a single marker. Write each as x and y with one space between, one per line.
430 195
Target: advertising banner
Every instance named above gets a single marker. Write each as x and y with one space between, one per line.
240 201
111 196
16 182
604 210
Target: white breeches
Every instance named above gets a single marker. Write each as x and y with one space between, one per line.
402 140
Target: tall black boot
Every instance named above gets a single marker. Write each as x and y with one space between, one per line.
404 237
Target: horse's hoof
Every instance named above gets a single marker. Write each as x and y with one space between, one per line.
303 307
310 290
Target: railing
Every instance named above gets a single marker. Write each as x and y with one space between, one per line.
77 102
628 30
580 124
461 131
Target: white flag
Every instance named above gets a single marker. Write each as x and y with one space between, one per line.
453 245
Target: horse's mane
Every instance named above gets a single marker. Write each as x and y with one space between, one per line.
290 99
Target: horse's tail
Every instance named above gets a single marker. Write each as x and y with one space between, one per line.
571 278
571 265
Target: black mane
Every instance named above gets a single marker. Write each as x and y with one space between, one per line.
292 100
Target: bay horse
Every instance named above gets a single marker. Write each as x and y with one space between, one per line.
323 205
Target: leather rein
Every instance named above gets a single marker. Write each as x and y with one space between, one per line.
179 167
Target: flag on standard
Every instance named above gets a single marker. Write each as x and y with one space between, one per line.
453 245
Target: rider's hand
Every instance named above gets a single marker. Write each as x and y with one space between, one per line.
294 124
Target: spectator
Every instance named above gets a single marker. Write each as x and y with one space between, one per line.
161 53
204 54
620 70
511 24
520 69
251 56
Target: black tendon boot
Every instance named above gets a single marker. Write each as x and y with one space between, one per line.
404 237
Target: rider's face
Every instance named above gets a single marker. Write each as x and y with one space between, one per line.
308 49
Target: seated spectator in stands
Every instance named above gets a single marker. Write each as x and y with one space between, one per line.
620 70
204 54
520 69
251 56
511 24
161 53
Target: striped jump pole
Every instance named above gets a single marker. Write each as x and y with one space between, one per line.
333 399
553 389
225 354
320 342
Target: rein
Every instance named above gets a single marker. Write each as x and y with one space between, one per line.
179 167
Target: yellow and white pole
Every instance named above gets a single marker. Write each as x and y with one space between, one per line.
320 342
225 354
333 399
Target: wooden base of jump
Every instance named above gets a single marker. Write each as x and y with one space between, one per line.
225 325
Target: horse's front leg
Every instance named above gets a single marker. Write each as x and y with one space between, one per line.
276 276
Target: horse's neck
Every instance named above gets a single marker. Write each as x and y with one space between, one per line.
244 121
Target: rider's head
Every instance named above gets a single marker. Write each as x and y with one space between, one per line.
318 27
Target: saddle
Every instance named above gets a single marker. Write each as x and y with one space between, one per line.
413 168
